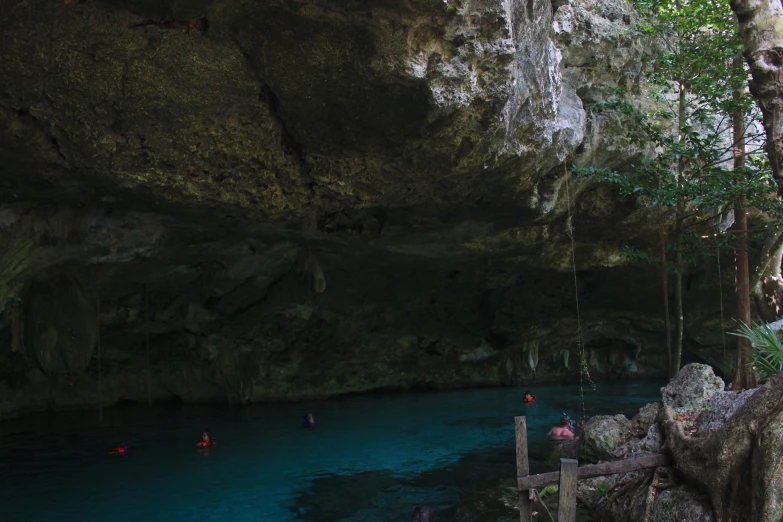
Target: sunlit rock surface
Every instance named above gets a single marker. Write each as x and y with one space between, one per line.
294 199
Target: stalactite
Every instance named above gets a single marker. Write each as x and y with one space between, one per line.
566 355
532 356
310 270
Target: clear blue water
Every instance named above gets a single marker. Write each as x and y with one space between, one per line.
371 458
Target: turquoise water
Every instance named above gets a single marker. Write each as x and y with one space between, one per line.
371 457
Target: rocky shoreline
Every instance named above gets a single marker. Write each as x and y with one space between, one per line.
702 405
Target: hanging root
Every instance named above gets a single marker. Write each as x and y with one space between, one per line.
15 318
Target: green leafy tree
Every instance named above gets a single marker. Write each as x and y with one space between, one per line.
699 166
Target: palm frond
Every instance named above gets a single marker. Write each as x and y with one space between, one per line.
767 350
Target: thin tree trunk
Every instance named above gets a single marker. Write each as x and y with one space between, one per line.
744 376
665 285
679 315
761 29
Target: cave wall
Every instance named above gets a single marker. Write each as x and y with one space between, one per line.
316 197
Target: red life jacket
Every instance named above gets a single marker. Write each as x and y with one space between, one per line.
530 399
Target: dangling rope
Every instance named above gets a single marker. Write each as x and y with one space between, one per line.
100 356
583 370
147 328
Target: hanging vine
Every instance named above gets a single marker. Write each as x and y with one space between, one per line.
147 330
584 371
100 355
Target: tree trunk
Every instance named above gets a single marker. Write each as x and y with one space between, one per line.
678 313
679 316
761 29
714 460
744 376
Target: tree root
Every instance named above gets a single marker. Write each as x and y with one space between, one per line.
711 462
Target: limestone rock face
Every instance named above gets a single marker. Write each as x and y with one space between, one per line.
692 387
602 435
60 326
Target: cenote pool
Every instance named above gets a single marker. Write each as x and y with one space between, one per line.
371 458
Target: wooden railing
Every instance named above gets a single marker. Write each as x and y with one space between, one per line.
567 477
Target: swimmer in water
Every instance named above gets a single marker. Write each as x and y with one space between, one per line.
562 432
529 398
309 421
423 514
207 441
122 449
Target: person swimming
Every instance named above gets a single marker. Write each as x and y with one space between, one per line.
562 432
122 449
207 441
529 398
571 424
309 421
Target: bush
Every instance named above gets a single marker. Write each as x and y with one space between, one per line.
767 352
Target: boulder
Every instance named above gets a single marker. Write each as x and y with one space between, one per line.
691 388
602 436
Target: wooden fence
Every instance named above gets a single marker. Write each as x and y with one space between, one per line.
567 477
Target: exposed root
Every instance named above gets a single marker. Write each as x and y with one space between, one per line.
725 451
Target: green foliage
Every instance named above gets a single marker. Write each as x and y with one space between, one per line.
767 352
688 169
552 489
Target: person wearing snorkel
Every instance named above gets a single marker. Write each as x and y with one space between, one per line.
309 421
566 430
207 441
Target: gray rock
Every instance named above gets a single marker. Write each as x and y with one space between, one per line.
602 436
715 412
646 415
650 444
691 388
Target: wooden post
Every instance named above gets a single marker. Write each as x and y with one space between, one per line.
566 510
523 468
